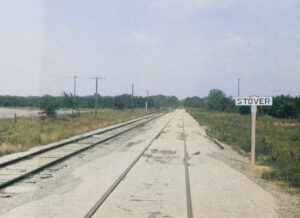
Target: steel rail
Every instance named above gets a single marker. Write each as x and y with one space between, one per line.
187 177
102 199
60 159
15 160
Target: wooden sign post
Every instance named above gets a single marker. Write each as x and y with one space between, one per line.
253 101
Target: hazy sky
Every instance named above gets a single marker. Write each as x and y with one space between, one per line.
172 47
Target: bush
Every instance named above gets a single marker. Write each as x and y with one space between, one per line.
283 107
49 105
298 117
194 102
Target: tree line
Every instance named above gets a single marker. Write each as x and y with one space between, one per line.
284 106
67 100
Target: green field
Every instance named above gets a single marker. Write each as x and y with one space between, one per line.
30 132
277 140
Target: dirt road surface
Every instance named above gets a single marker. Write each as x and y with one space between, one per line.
154 187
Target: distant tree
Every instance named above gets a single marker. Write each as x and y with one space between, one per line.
69 101
244 110
49 105
216 100
165 101
194 102
66 100
297 103
229 104
119 103
283 107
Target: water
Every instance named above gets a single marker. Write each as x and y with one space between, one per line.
26 112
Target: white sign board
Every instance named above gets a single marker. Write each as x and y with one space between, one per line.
263 101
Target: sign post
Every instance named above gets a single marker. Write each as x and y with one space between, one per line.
253 101
253 133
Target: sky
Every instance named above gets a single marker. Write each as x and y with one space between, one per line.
171 47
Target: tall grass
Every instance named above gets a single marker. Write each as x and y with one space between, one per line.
30 132
277 140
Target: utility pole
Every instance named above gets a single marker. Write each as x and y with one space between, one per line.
75 77
132 94
96 94
146 104
74 95
238 87
96 98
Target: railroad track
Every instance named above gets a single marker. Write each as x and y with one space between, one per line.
19 168
187 177
104 196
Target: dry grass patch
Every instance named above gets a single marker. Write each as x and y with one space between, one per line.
30 132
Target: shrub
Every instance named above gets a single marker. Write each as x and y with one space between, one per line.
49 106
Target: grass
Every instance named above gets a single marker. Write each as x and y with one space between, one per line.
29 132
277 140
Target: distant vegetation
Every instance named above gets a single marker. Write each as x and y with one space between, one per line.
284 106
49 104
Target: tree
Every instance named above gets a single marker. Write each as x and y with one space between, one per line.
194 102
283 107
216 100
244 110
49 105
68 100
